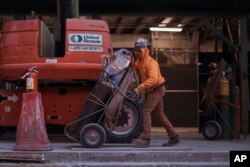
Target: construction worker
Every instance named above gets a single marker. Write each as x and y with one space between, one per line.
212 67
153 83
229 73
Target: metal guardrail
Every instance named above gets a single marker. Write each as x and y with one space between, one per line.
181 91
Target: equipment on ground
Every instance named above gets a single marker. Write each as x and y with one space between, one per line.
31 132
217 105
69 62
109 106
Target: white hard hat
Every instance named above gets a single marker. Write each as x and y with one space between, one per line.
141 43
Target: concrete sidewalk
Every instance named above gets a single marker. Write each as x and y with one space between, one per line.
193 150
193 140
190 140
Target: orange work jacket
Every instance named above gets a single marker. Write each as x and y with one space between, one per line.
149 71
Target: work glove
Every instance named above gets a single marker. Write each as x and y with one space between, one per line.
136 90
134 94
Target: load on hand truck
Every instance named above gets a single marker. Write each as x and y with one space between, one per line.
221 110
105 105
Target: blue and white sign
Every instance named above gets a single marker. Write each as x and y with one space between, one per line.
86 39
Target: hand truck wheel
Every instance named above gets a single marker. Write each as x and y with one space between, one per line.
211 130
92 136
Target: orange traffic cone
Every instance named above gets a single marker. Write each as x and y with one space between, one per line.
31 130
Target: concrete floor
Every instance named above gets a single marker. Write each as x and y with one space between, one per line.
192 151
190 140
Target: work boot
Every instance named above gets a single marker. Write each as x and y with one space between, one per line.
172 141
141 142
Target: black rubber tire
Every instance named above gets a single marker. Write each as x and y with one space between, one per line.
211 130
92 136
133 131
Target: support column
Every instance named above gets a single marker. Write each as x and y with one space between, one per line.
243 64
75 8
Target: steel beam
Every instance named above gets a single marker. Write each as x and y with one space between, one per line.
75 8
243 64
220 34
143 7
